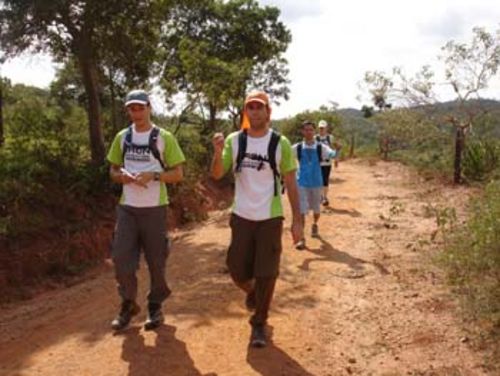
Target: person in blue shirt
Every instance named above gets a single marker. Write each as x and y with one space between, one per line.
309 154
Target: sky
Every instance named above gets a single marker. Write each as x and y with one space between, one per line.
335 42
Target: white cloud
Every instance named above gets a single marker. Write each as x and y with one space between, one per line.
330 53
335 43
37 70
292 11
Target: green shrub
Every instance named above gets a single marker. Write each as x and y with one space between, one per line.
481 159
472 256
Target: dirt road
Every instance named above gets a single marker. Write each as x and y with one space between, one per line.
363 300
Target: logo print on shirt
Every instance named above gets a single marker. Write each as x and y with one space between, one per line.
255 161
141 153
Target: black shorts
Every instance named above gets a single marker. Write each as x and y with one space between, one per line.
325 172
255 248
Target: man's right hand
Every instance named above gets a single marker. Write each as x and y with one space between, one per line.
218 142
127 179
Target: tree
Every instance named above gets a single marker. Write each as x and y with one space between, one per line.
223 48
85 30
468 70
367 111
380 87
1 113
2 137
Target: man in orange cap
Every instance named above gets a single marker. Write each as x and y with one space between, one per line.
259 157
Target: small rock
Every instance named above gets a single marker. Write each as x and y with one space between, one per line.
309 349
349 370
464 339
352 360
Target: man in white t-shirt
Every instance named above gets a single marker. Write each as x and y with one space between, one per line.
258 156
143 159
326 165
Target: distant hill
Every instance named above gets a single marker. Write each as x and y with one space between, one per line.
486 104
350 112
490 105
366 130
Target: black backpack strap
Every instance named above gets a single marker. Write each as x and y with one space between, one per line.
319 150
318 138
127 142
271 153
299 151
242 149
153 145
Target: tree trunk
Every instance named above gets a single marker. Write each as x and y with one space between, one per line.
212 119
90 81
459 147
384 147
1 113
113 104
236 119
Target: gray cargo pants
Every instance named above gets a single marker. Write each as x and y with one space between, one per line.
136 229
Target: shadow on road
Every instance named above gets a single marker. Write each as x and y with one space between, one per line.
337 180
167 356
272 361
330 211
327 253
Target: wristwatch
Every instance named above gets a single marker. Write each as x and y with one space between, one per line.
156 176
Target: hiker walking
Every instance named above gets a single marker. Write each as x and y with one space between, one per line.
143 158
310 153
326 164
259 156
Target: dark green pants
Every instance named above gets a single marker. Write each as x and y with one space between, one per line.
253 260
136 229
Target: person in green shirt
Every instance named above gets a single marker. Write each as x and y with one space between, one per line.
143 159
257 217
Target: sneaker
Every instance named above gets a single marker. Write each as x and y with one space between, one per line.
325 202
314 231
128 310
250 302
155 316
301 245
258 336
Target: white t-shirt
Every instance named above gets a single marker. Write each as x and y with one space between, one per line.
139 158
254 185
326 140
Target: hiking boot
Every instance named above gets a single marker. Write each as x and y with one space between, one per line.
258 336
301 245
314 231
250 302
155 316
128 309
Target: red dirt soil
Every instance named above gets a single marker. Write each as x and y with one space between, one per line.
363 300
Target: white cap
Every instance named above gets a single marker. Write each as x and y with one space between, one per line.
322 124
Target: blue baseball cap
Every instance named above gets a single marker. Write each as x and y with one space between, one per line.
138 97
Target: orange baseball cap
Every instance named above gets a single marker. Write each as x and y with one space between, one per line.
257 96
